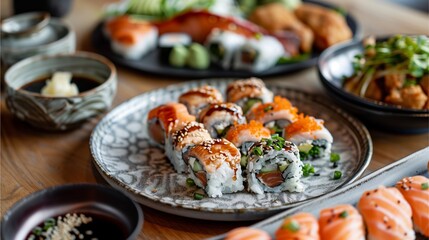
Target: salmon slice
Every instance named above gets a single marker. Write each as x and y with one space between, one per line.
387 214
302 226
271 179
126 30
342 222
251 132
416 192
280 109
246 233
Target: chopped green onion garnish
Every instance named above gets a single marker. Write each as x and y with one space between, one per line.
198 196
307 169
303 156
314 151
258 151
344 214
292 226
37 231
425 186
268 108
190 182
337 174
335 157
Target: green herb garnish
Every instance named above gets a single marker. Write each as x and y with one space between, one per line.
294 59
190 182
337 174
37 231
292 226
314 151
344 214
425 186
268 108
303 156
258 151
307 169
198 196
335 157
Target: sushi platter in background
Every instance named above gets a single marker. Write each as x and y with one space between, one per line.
202 39
391 203
228 147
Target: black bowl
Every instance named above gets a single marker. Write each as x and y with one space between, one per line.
335 63
110 205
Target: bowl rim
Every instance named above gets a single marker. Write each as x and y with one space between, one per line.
28 198
375 105
56 21
42 17
78 54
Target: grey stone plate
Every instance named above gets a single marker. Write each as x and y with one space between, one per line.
127 160
414 164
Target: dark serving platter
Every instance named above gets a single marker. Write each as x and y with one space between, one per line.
335 63
151 62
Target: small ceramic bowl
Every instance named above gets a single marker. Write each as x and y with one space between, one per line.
60 113
109 208
30 34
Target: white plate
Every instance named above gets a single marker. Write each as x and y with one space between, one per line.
414 164
126 159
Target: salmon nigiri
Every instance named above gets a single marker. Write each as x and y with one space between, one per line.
301 226
341 222
416 192
387 214
247 233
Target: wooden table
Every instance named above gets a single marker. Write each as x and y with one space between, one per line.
32 159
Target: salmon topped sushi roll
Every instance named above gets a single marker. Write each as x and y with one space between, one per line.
416 192
180 141
214 166
243 136
131 38
247 233
276 115
248 93
198 98
302 226
166 118
387 214
218 118
342 222
312 138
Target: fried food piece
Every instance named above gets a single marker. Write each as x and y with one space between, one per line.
394 80
424 82
413 97
328 26
275 17
374 91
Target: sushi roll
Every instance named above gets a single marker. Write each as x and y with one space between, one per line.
180 141
243 136
276 115
218 118
342 222
273 165
214 166
299 226
198 98
387 214
131 38
222 45
416 191
247 233
248 93
166 118
168 41
258 54
312 138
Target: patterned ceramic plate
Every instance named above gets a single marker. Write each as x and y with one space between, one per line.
127 160
414 164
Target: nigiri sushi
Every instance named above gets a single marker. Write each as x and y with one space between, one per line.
243 136
342 222
214 166
302 226
387 214
276 115
273 165
311 137
416 191
198 98
130 37
247 233
248 93
218 118
166 118
179 142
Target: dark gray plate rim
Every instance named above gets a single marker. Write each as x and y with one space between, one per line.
152 65
359 129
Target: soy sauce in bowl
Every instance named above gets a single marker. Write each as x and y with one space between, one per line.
83 83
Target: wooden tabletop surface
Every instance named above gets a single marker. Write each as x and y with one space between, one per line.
32 159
